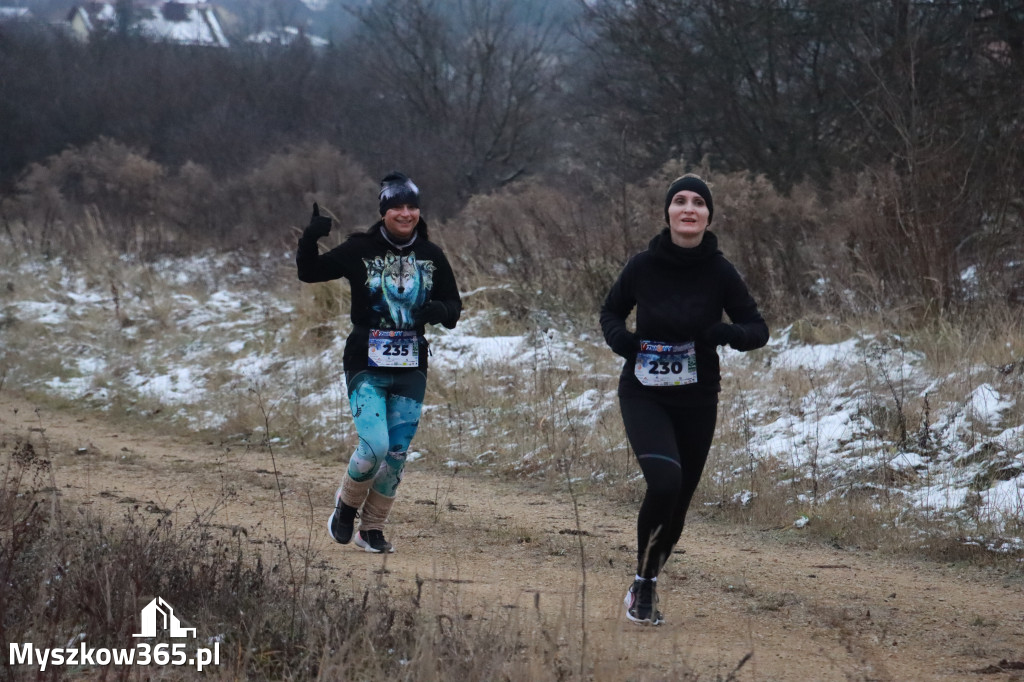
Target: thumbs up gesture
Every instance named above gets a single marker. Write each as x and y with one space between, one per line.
319 225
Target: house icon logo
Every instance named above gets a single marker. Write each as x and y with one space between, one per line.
158 615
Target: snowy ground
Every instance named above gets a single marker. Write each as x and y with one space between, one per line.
193 338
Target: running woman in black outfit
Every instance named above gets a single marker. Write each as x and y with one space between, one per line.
400 282
668 390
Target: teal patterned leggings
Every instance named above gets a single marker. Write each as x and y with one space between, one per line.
386 408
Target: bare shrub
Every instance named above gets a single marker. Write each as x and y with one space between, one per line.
195 203
775 239
858 252
257 208
104 190
554 249
282 189
108 195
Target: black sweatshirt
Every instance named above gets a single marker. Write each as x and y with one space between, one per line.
679 294
389 284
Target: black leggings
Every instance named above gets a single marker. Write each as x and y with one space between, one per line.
671 444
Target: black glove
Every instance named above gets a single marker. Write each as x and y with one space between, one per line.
432 312
634 347
319 225
721 333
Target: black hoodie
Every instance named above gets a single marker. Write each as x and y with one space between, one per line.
389 283
679 294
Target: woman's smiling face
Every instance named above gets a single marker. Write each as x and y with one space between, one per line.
401 221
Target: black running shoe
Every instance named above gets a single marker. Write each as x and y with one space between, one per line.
342 521
642 603
373 541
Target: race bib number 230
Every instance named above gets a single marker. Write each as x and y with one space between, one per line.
666 364
388 348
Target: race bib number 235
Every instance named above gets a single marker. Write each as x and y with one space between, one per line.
389 348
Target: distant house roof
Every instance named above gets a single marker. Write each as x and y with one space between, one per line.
286 35
185 22
14 13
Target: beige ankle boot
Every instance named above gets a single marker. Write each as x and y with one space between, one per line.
371 523
375 511
347 500
353 493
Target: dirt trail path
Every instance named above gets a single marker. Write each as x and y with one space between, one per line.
804 611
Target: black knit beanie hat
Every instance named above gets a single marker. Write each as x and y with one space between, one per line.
396 189
692 183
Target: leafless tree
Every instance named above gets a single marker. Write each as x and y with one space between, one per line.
462 93
745 81
923 95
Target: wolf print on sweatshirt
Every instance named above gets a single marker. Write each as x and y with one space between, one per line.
398 286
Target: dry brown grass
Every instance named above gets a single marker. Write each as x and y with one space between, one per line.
277 613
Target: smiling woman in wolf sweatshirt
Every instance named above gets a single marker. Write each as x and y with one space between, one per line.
401 281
